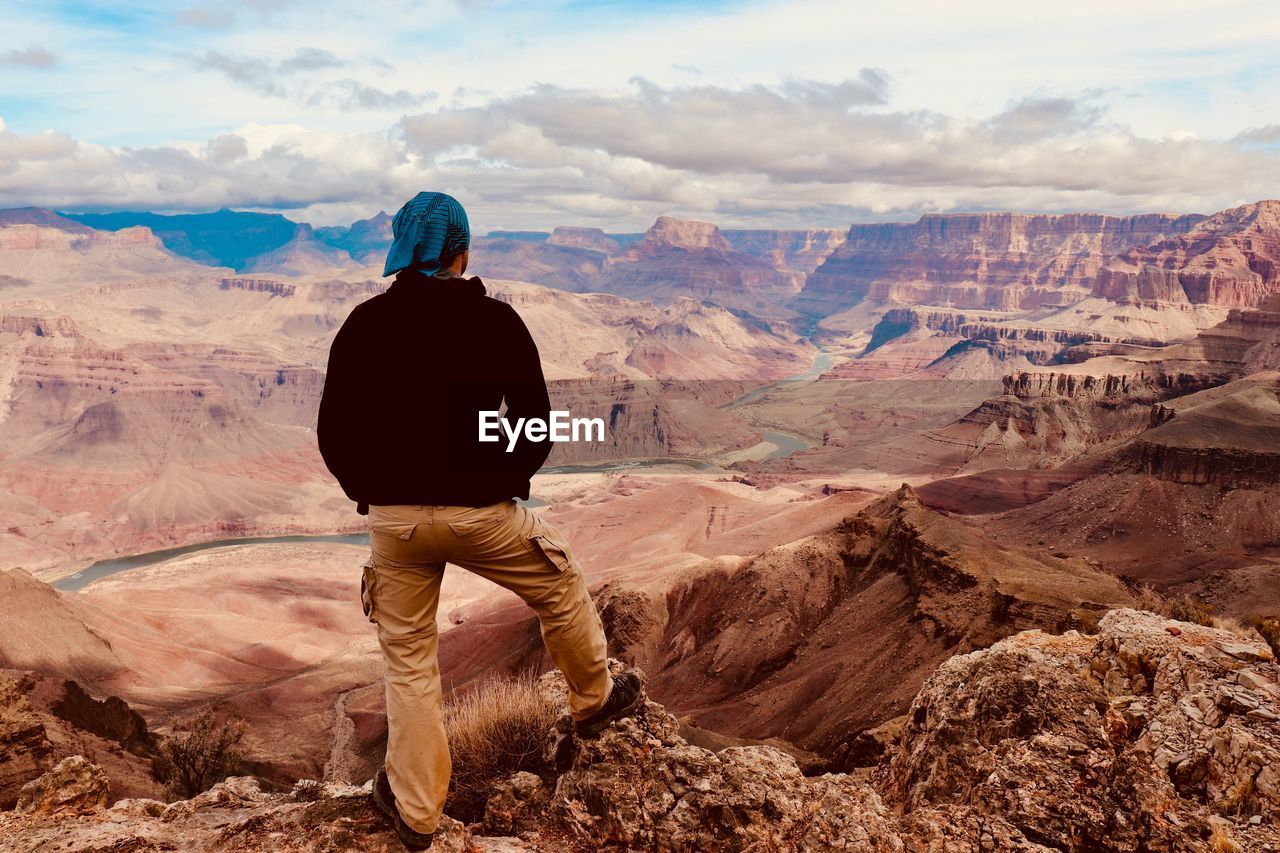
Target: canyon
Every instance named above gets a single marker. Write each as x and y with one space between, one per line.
858 486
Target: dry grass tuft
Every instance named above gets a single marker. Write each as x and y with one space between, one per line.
1151 601
1183 609
1188 609
1235 626
1221 841
1269 628
1238 801
495 730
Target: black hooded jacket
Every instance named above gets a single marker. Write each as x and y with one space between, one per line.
409 372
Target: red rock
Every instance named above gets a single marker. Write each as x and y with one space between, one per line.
679 258
981 260
584 238
1230 259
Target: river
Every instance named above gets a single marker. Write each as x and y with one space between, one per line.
785 445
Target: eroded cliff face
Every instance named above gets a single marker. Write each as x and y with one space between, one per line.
1230 259
1142 386
939 343
46 720
1153 735
802 250
998 327
685 258
1002 261
1228 436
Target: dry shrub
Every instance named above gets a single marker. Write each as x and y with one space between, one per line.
1183 609
1234 626
307 790
1151 601
495 730
1269 628
1188 609
1238 801
1221 841
197 758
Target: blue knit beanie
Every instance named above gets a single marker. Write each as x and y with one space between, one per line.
429 226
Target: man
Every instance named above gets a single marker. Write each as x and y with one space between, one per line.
409 372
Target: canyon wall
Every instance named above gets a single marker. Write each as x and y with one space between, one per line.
800 249
1000 261
1230 259
687 258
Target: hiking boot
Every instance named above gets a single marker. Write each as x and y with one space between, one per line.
622 702
385 800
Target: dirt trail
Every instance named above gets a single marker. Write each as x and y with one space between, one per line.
338 767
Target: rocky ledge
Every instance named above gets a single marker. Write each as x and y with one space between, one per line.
1151 735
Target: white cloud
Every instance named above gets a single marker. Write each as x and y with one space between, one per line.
802 152
801 112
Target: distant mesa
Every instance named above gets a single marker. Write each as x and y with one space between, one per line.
584 238
43 217
366 240
684 234
224 238
302 255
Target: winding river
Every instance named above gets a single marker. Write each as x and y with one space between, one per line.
785 445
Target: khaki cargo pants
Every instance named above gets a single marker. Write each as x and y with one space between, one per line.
514 548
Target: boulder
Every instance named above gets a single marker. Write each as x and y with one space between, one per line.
74 786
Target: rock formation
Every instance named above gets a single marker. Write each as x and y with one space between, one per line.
366 240
584 238
42 217
1151 735
74 786
981 260
675 258
801 250
1229 436
56 259
26 747
567 265
303 254
1230 259
44 721
818 639
228 238
679 258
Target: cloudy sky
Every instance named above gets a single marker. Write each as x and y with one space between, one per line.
611 113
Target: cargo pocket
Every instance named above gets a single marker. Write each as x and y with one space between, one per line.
369 591
402 530
547 541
